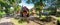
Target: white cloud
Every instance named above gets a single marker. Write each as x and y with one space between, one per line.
29 6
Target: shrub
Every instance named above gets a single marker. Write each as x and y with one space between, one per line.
2 14
22 21
58 21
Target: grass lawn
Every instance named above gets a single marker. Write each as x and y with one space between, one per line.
15 21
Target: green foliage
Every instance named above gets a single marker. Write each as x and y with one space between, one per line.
18 8
22 21
28 1
38 4
11 11
8 3
2 14
43 17
58 19
46 18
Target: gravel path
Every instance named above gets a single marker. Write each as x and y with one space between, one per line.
6 23
5 19
54 22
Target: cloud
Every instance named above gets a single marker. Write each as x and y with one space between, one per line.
29 6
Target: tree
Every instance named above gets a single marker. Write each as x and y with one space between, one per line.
18 9
14 3
37 4
56 3
9 3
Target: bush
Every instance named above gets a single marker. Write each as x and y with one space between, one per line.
58 21
46 18
22 21
0 17
2 14
43 17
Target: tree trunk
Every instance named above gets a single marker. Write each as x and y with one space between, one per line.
40 13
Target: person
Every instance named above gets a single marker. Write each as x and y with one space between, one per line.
25 12
33 14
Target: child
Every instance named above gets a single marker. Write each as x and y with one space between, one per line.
24 12
33 14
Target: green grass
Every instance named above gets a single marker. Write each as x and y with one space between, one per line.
15 21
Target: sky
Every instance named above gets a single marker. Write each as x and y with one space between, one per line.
29 6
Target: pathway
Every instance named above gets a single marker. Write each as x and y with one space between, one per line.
5 19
